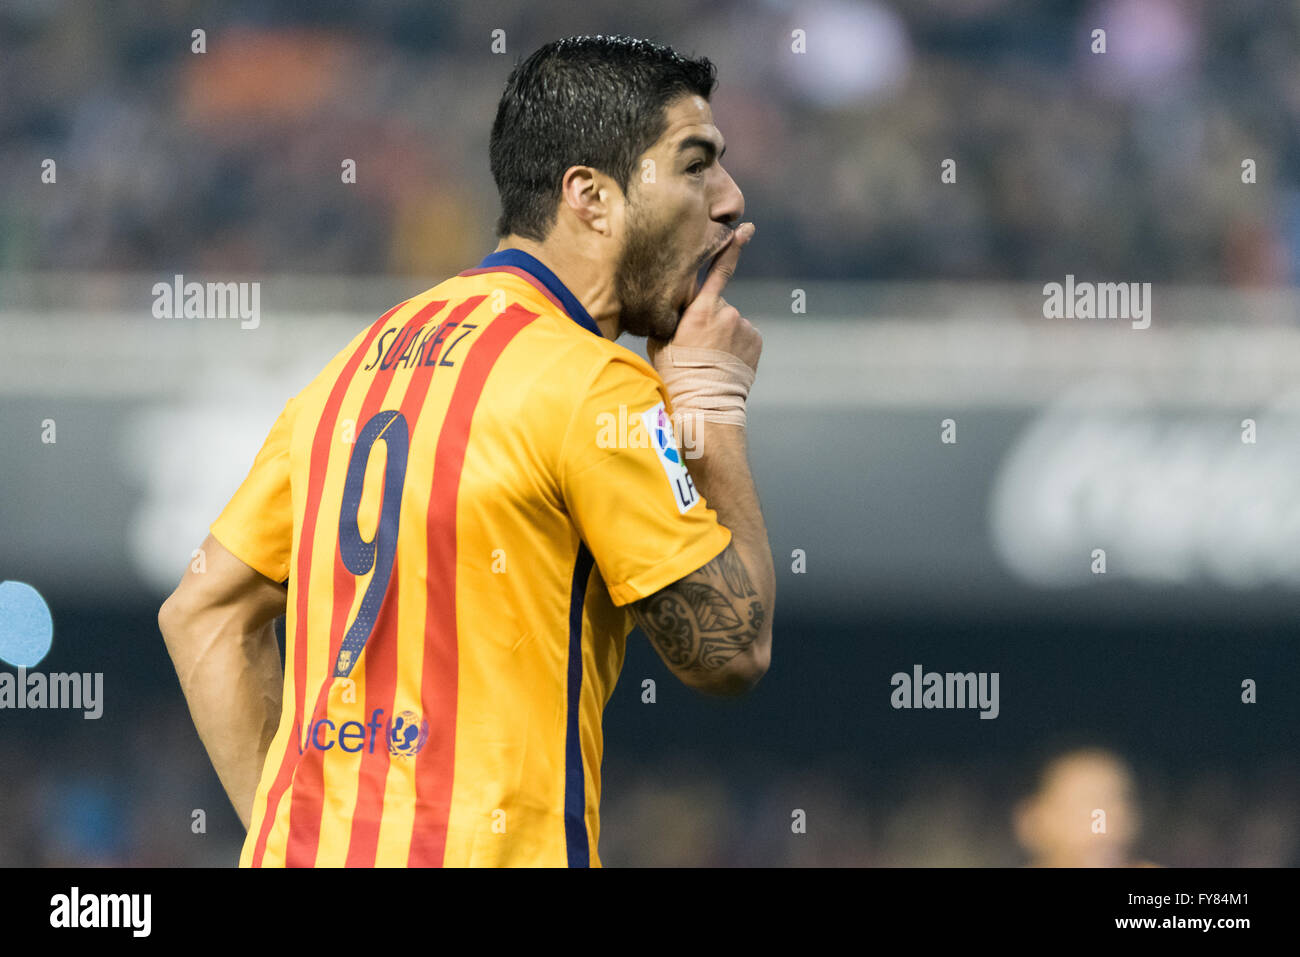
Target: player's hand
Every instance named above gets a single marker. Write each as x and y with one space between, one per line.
710 322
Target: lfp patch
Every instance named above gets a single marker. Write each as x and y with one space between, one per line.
660 429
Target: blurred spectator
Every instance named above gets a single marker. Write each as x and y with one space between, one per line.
1122 165
1083 813
130 799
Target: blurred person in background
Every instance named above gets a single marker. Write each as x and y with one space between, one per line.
1083 814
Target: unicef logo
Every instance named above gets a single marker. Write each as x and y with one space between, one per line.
407 733
664 439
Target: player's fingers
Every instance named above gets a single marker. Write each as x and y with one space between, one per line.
724 267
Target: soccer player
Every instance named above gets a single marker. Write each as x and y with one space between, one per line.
465 513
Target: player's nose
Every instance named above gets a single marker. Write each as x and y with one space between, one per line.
729 206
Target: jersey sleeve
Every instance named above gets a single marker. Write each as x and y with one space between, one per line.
256 526
626 485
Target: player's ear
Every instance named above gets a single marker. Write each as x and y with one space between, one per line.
591 195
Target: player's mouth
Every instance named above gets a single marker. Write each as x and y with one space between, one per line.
715 250
705 264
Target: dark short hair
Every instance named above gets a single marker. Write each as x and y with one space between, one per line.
582 101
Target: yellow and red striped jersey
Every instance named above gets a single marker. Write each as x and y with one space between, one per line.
462 503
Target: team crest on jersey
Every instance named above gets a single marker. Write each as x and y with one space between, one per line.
660 429
407 732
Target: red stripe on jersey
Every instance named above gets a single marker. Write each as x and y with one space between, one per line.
380 658
436 762
316 479
307 800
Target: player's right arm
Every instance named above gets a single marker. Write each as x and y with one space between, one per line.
698 581
713 628
710 628
699 587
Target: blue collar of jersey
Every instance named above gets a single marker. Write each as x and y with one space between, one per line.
532 265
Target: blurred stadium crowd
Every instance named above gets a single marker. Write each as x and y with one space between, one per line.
1125 165
131 804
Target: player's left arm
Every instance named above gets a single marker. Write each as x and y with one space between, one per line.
219 626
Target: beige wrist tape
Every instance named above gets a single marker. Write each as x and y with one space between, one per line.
708 384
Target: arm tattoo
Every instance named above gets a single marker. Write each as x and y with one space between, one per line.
733 572
706 619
